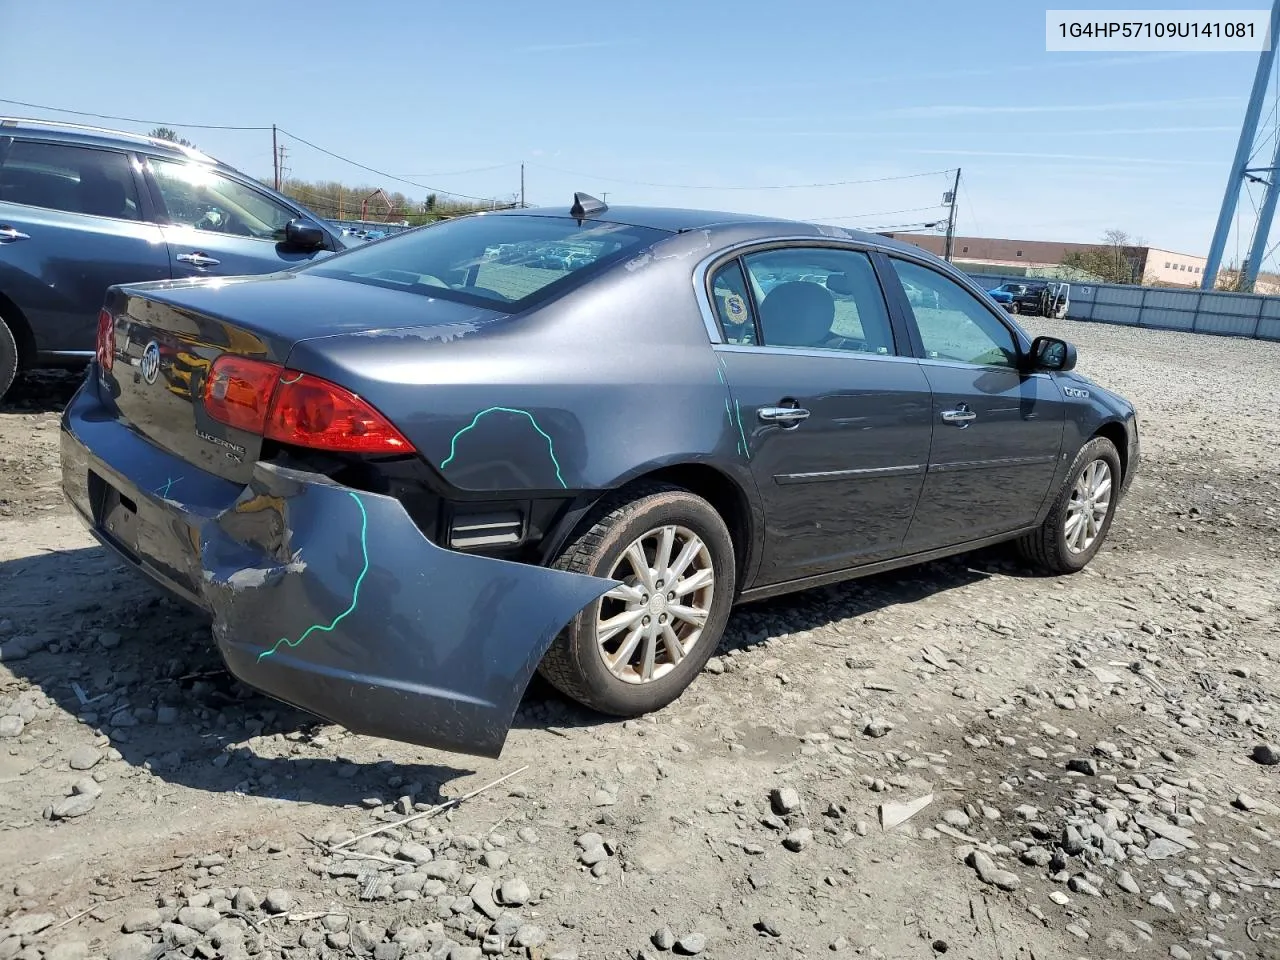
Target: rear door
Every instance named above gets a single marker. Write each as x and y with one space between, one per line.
72 223
835 423
216 225
997 432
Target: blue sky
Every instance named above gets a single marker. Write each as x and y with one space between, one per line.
672 102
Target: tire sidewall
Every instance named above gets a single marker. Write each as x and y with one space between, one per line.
678 508
8 358
1098 448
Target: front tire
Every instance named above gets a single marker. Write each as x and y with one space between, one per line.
8 358
1077 524
637 648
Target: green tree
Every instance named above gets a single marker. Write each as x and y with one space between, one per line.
1116 260
165 133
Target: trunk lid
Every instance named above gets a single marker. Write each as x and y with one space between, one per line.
169 334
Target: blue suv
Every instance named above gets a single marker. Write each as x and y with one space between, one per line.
82 208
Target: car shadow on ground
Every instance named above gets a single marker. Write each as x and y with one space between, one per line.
42 391
117 656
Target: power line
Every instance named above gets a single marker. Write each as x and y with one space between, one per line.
458 173
876 213
383 173
107 116
712 186
972 211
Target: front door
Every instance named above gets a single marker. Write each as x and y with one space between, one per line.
71 225
836 424
997 432
218 226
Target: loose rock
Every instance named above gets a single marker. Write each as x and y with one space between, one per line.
988 872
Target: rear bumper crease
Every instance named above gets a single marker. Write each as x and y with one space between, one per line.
325 597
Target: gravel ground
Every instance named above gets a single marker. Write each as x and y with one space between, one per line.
957 759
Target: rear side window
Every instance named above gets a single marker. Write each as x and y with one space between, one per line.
733 304
75 179
820 297
506 262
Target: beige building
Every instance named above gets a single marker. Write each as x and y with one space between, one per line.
1147 265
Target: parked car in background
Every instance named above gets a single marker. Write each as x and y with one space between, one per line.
82 208
1035 298
403 478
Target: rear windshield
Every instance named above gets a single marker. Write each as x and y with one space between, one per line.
508 262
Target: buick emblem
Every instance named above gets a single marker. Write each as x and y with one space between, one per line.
150 364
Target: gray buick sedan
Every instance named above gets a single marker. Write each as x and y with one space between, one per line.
403 478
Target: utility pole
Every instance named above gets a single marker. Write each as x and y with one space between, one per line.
522 186
951 218
275 157
1240 169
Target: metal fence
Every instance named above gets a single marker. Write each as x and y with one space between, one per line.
1198 311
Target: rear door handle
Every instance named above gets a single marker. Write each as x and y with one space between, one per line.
961 416
788 415
9 234
198 259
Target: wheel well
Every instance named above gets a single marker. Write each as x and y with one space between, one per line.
1115 432
725 496
21 330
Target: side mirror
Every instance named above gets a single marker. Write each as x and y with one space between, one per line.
302 234
1050 353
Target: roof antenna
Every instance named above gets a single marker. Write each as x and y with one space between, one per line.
585 205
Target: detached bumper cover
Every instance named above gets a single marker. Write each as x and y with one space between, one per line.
325 597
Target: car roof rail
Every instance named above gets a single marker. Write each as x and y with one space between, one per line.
191 152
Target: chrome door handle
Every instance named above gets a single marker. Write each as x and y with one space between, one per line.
962 416
198 259
9 234
782 414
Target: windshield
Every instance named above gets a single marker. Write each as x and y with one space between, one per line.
508 262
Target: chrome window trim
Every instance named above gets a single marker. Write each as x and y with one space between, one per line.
817 352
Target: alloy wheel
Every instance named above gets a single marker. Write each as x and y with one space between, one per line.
649 623
1088 507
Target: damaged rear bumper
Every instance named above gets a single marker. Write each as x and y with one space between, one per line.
322 596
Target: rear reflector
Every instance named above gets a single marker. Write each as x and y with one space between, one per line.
106 343
310 412
238 391
296 408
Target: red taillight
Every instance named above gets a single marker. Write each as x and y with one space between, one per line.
106 345
238 391
310 412
296 408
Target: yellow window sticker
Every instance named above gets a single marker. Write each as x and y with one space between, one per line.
736 308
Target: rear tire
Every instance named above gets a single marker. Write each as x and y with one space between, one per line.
1077 524
8 358
602 657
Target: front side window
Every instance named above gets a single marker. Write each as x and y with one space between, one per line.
508 262
74 179
953 323
197 196
820 297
